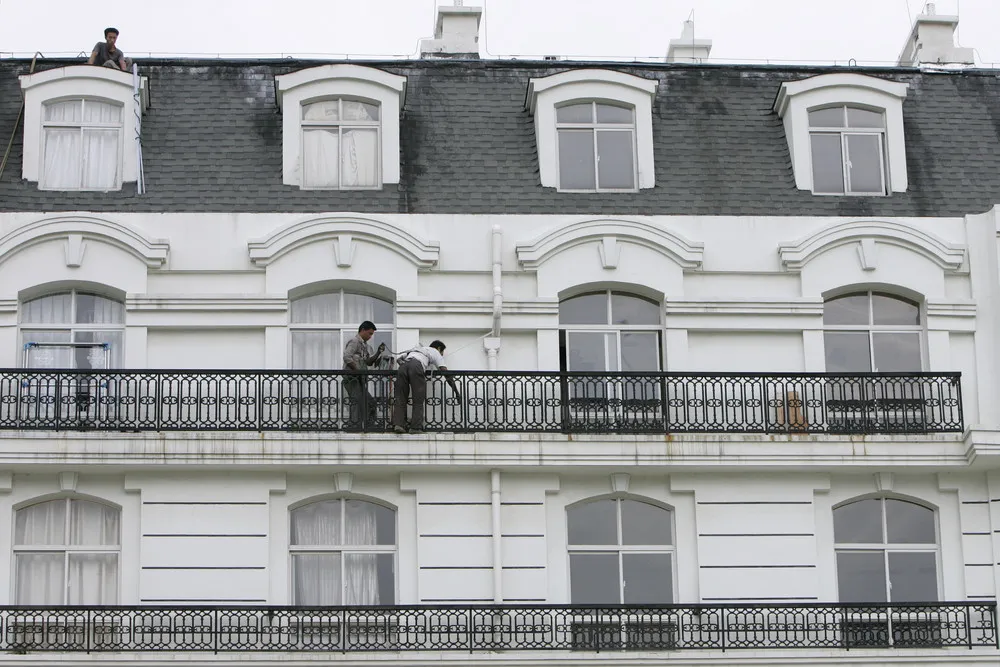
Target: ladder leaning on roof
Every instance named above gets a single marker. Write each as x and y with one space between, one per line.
140 181
17 121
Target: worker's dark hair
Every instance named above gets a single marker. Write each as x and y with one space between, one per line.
438 345
107 30
366 325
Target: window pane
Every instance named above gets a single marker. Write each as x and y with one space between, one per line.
897 352
893 310
100 159
316 524
48 357
93 524
909 523
70 111
864 118
645 524
576 160
368 523
360 111
575 113
858 523
912 577
359 307
93 579
648 578
41 524
616 167
94 309
627 309
101 112
328 110
321 158
63 158
369 579
40 579
593 523
584 309
827 163
360 156
96 358
608 113
594 579
316 579
850 310
587 351
317 309
640 352
317 350
51 309
861 576
832 117
864 162
847 352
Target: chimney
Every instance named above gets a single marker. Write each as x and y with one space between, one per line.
687 49
456 34
932 41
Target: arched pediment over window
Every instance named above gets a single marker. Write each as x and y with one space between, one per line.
75 231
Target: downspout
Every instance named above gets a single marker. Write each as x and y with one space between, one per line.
20 113
492 342
497 543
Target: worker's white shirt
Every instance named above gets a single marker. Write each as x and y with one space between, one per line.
427 356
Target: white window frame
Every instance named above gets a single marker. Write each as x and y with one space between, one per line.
328 549
73 327
83 126
796 98
340 126
871 329
617 329
545 94
595 127
102 84
886 547
620 549
66 548
347 329
340 81
844 132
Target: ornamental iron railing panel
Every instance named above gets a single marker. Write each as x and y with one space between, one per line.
500 628
151 400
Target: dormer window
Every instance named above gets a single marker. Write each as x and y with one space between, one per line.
82 145
340 144
845 134
596 146
848 150
594 130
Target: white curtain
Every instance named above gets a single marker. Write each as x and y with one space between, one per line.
85 154
321 157
51 309
93 524
317 350
360 158
316 579
39 578
317 309
93 578
93 309
361 570
316 524
43 524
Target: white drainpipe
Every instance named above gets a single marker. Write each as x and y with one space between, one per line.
492 342
497 544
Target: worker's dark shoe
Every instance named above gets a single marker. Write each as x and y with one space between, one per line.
398 429
416 431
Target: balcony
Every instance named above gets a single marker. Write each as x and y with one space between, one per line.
495 401
500 628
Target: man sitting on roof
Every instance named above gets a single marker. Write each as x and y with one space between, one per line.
105 54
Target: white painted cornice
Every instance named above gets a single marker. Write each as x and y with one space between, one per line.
206 302
685 253
344 230
796 255
152 252
790 89
787 307
326 73
627 81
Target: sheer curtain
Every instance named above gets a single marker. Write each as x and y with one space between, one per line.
316 576
360 158
82 145
321 157
361 570
63 156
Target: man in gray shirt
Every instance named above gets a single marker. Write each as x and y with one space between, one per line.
105 54
358 357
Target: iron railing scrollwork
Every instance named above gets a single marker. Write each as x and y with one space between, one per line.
500 627
152 400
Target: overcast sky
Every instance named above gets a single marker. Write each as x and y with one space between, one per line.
870 31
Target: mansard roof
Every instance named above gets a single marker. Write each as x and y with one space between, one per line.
212 142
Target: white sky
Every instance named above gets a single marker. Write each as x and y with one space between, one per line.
870 31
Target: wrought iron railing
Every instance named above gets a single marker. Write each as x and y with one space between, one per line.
151 400
500 628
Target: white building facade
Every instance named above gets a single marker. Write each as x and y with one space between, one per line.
683 432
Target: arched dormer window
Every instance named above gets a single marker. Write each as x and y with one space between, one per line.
621 550
340 144
72 329
596 146
66 552
848 150
343 552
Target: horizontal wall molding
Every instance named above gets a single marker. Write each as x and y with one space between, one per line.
747 308
211 303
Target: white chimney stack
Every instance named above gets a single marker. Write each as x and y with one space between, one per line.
932 41
456 33
687 49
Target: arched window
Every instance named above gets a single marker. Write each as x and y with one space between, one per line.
82 145
596 146
887 551
620 551
609 331
340 145
75 329
343 553
322 324
872 331
66 552
848 150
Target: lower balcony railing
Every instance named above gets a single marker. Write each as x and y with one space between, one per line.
500 628
150 400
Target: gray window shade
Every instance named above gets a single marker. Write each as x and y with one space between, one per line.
858 522
913 576
576 160
861 576
616 168
864 118
847 310
645 524
647 578
897 352
593 523
827 163
594 578
609 113
890 310
864 166
909 523
575 113
584 309
847 352
628 309
833 117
